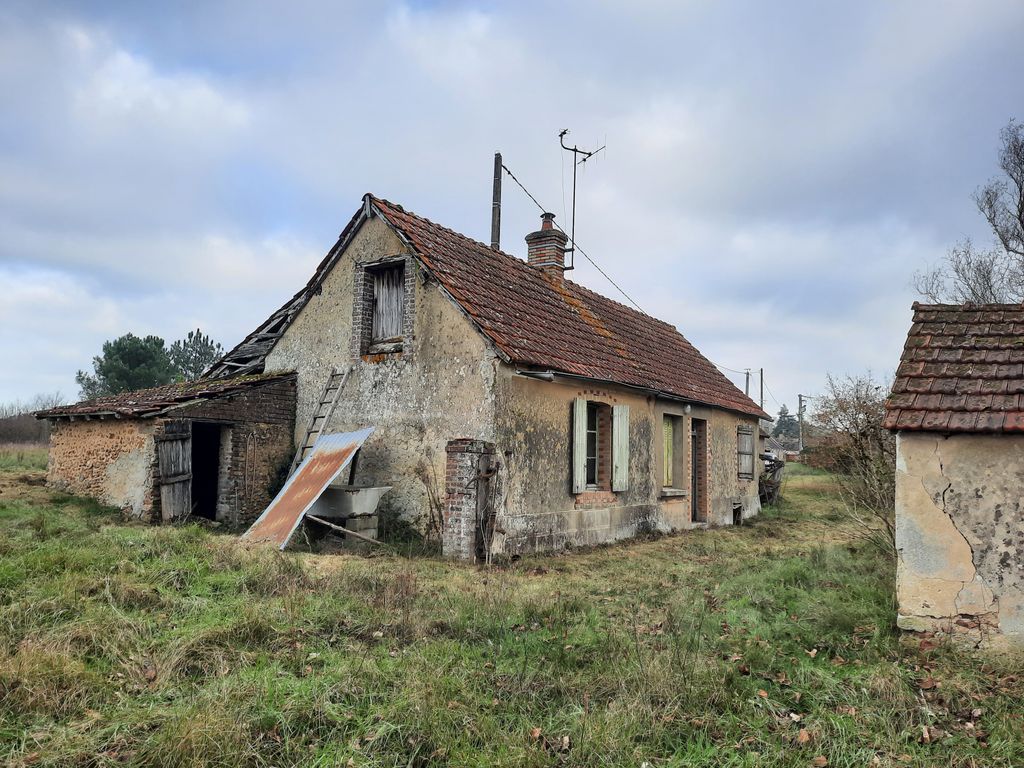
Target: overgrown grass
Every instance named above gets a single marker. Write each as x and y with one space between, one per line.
22 456
796 469
771 644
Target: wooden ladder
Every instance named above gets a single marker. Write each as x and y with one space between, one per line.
321 414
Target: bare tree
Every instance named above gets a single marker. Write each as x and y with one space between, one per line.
855 446
996 274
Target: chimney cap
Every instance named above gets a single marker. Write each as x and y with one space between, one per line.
547 220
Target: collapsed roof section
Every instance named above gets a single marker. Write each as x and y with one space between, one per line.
148 403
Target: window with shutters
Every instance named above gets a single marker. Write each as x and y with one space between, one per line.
745 452
600 446
673 472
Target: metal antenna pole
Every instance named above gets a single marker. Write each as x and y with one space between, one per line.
587 154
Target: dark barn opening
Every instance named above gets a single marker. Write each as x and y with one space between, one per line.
205 465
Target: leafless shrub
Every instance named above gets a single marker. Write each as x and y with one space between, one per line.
427 475
859 451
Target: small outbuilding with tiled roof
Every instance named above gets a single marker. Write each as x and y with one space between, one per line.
957 408
215 448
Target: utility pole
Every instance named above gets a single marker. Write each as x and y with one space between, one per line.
496 204
746 387
761 379
800 417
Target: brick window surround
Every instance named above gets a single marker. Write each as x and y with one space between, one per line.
361 344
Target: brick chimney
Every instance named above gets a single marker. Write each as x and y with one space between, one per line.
546 247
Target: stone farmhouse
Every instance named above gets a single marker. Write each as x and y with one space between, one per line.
528 412
957 408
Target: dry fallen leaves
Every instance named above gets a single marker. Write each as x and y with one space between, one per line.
803 737
820 761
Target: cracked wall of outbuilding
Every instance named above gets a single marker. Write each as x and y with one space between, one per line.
960 532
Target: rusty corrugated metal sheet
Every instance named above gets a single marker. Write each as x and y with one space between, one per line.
329 455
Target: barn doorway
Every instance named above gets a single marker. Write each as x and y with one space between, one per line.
205 468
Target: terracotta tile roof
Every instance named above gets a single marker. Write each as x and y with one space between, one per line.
544 322
144 403
962 370
532 319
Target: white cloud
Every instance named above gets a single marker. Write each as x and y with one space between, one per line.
782 168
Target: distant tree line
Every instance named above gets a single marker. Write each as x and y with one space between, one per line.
130 362
18 425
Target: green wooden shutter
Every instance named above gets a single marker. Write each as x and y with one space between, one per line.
620 447
579 445
668 438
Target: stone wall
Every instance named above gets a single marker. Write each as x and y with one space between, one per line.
537 509
960 533
109 460
115 462
437 387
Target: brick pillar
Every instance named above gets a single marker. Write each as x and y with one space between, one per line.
464 496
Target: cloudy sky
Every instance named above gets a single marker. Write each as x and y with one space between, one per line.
774 172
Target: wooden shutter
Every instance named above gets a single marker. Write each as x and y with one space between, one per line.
579 445
388 304
669 438
620 447
174 461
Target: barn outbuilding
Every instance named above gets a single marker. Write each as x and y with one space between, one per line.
957 408
216 449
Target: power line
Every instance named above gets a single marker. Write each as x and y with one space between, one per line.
771 395
593 263
573 242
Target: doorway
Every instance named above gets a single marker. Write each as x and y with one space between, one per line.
205 468
698 470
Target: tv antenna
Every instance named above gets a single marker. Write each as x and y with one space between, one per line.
579 156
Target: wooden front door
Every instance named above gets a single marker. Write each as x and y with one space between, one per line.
174 460
698 470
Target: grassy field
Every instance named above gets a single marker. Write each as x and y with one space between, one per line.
767 645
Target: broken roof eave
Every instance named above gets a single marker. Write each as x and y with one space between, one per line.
161 401
660 394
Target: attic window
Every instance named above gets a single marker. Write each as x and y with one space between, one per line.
388 306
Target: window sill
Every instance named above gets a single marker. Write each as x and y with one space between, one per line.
384 347
674 493
746 477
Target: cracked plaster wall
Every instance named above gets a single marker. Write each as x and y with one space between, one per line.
960 532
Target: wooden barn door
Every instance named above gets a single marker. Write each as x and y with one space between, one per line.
174 459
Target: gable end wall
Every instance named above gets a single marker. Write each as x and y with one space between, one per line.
960 533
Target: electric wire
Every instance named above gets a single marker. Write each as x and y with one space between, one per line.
770 394
575 245
593 263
